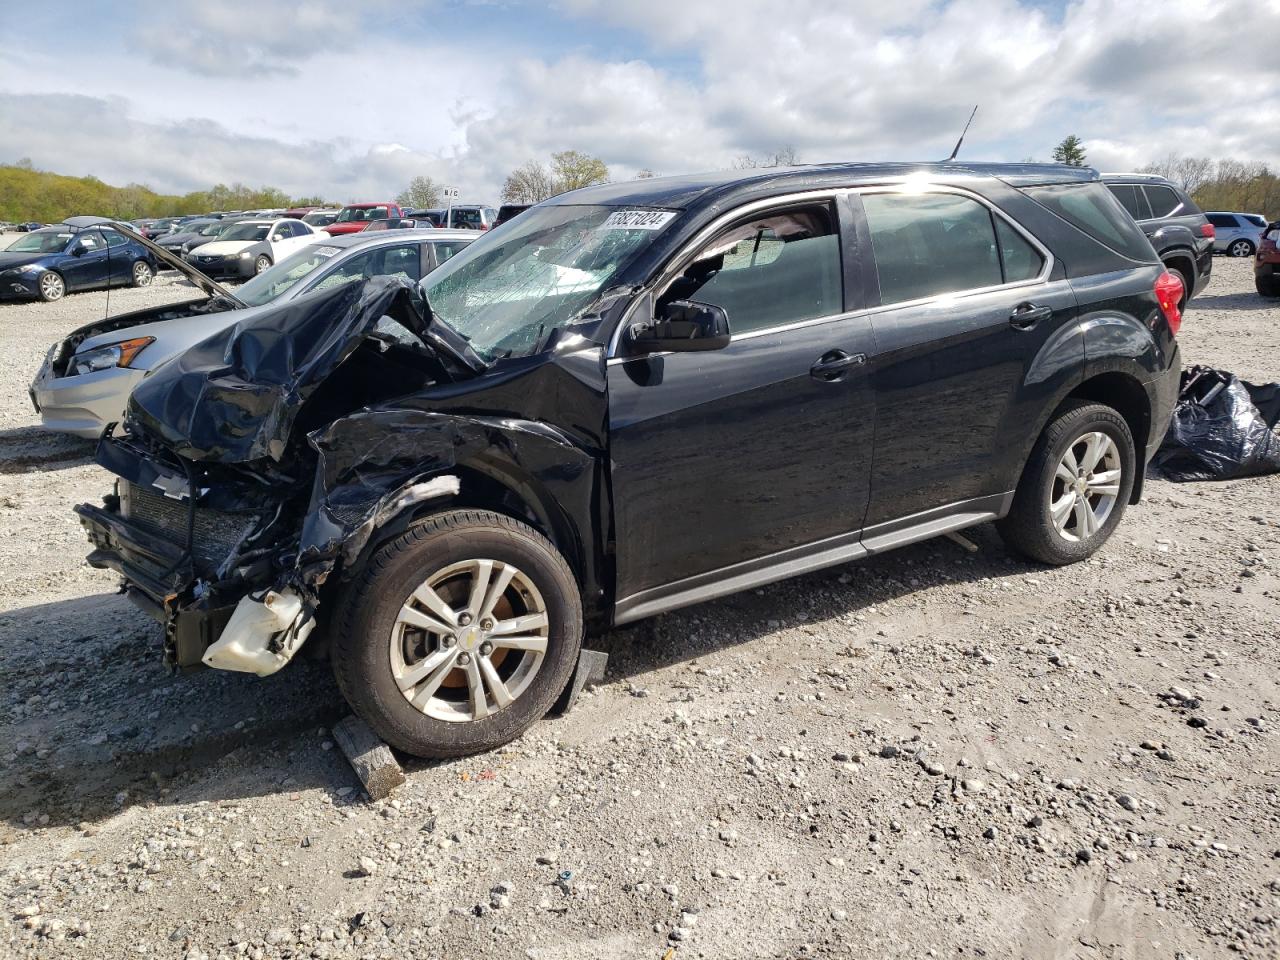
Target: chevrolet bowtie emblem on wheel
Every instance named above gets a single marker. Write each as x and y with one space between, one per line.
175 488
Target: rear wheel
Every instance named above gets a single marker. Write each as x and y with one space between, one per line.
51 287
1075 486
1240 248
459 634
142 274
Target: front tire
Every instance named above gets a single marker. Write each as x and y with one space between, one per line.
1074 487
1267 286
458 635
262 263
1240 248
51 287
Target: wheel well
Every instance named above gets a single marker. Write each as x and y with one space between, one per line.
1185 266
1127 397
482 492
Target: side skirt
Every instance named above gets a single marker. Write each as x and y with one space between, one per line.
809 557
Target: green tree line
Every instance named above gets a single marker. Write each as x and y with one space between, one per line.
30 194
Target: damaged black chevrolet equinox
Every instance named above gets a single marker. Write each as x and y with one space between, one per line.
631 398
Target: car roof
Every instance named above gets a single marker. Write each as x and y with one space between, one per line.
1136 178
393 236
372 203
698 189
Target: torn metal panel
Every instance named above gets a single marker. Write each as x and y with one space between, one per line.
236 396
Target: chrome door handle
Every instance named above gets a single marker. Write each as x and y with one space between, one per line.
833 364
1027 315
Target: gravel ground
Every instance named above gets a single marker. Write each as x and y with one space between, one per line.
928 753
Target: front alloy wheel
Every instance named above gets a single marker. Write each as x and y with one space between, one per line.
469 641
458 634
51 287
262 263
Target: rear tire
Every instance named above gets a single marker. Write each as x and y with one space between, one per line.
445 657
1066 506
142 274
1240 248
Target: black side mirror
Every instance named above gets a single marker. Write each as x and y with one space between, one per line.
683 325
77 250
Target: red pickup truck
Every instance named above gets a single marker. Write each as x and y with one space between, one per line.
356 216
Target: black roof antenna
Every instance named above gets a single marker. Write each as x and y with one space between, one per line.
962 133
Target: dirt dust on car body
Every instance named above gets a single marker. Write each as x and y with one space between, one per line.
929 750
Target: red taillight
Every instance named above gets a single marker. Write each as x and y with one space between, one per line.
1169 291
1206 230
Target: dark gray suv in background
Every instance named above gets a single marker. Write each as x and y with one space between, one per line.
632 398
1180 232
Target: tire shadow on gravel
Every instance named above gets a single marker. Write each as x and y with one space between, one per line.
34 449
87 711
1230 301
841 591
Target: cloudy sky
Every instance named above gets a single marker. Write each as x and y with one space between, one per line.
351 99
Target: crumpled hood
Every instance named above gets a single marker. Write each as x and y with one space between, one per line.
234 397
223 247
10 260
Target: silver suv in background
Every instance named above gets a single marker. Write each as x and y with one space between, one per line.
1237 234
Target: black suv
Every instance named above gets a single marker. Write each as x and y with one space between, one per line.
631 398
1180 232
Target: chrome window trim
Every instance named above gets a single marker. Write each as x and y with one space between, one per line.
903 186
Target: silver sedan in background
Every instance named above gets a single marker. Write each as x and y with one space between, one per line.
85 380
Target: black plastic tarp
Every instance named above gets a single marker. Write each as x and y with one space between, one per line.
1223 427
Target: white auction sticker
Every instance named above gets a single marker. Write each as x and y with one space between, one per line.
637 220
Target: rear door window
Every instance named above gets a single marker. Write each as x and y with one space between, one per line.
1164 201
1132 199
1093 208
927 245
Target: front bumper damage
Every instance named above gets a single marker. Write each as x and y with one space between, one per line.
235 519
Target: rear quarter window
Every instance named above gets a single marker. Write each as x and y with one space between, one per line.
1091 207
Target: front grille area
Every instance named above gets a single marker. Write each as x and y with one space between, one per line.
215 532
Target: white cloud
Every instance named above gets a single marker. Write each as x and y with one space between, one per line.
349 99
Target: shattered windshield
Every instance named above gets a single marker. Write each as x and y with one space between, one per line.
510 290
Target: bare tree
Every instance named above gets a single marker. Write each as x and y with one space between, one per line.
784 156
569 170
421 192
645 174
529 183
573 169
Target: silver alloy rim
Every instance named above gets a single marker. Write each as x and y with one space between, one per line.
51 286
1085 487
469 640
261 264
1240 249
141 274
